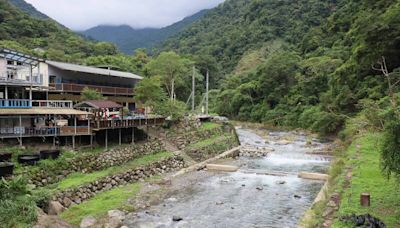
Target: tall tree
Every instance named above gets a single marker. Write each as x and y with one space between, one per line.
171 68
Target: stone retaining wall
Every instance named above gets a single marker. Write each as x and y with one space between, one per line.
219 146
87 163
182 140
77 195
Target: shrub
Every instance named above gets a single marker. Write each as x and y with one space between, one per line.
17 205
390 149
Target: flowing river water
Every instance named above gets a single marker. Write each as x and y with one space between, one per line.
248 197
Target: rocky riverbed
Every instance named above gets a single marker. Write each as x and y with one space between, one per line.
246 198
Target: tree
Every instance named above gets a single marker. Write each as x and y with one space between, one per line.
391 80
91 94
149 91
170 67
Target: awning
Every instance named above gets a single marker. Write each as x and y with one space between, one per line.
92 70
20 57
42 111
98 104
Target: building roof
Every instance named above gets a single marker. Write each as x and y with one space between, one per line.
99 104
19 57
92 70
42 111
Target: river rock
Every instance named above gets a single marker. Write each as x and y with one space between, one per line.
176 218
281 182
55 208
88 222
116 214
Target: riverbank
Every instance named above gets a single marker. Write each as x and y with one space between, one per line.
89 183
362 173
201 198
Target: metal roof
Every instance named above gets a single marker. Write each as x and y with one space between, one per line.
99 104
19 57
41 111
92 70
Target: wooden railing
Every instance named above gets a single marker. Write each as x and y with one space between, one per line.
45 131
77 88
103 124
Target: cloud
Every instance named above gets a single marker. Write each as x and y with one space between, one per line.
84 14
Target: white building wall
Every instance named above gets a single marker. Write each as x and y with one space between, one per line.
3 67
44 71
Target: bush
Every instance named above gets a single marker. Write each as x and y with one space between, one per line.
17 204
173 109
320 121
390 149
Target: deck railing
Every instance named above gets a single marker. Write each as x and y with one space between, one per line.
52 104
15 103
77 88
45 131
25 103
102 124
36 79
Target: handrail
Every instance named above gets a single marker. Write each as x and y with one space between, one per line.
36 79
26 103
73 87
46 131
15 103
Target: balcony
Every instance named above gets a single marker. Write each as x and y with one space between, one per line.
127 123
12 132
36 80
24 103
105 90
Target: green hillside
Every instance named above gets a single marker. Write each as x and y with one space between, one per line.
296 63
45 37
29 9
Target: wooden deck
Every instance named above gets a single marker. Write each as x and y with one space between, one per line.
116 124
31 132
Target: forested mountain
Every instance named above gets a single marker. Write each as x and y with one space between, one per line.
128 39
29 9
295 63
21 31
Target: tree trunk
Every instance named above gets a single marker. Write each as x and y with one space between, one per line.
172 89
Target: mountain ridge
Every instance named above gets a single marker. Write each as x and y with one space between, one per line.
29 9
128 39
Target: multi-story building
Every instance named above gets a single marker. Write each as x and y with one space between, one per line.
37 99
68 80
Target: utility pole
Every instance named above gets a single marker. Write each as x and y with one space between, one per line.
207 82
193 88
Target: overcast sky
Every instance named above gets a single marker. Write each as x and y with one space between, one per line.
84 14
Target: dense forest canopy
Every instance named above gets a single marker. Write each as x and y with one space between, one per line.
298 63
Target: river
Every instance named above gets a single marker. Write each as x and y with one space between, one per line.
246 198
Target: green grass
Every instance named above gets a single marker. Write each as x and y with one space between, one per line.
209 126
101 203
367 177
206 142
77 179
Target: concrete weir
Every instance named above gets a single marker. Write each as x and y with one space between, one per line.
313 176
203 164
221 168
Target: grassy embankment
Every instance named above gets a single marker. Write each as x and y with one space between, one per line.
367 177
105 201
116 198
